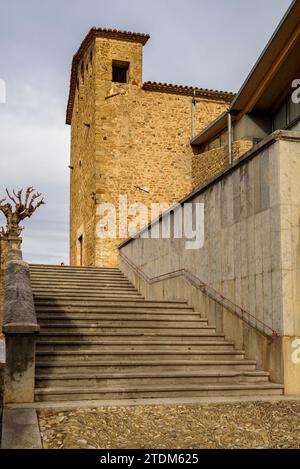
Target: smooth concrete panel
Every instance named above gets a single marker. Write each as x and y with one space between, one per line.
20 429
251 252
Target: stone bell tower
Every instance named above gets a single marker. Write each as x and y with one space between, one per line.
128 137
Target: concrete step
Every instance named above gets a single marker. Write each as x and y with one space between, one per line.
108 335
112 329
99 293
121 316
151 378
112 345
116 277
133 365
71 268
87 296
154 391
74 283
138 309
129 303
75 270
100 339
151 355
95 321
77 273
78 278
83 288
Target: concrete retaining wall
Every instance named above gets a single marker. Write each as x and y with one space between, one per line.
251 253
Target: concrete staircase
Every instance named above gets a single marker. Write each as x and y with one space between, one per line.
100 339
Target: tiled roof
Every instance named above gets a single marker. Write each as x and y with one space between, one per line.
92 34
187 90
120 34
150 86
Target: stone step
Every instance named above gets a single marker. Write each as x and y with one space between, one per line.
77 277
76 273
81 273
115 309
87 296
75 269
82 286
112 329
148 343
133 365
155 391
150 355
50 310
73 283
88 283
96 321
122 316
69 289
100 339
98 293
71 268
105 380
171 336
140 302
97 279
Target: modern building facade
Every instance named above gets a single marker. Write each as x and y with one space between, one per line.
246 276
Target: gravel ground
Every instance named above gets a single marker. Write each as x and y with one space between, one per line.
236 425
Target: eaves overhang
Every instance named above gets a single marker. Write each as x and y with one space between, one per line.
268 79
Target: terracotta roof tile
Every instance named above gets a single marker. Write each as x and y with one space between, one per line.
91 35
187 90
149 85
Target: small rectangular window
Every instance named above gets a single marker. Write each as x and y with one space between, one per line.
120 71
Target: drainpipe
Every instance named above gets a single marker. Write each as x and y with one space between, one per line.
193 113
229 127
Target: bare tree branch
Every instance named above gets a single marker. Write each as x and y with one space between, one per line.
22 210
30 189
19 206
11 198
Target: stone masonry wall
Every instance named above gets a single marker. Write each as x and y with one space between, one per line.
137 145
82 172
3 257
208 164
251 251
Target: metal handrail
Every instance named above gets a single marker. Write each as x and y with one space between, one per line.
244 315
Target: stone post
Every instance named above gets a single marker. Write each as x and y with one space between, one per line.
20 327
14 248
3 261
19 319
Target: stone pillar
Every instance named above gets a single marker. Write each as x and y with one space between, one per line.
3 261
19 375
14 248
19 326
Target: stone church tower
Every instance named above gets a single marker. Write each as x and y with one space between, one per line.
128 137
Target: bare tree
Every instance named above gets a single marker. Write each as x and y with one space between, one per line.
16 209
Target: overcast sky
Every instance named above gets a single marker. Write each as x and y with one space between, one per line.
205 43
